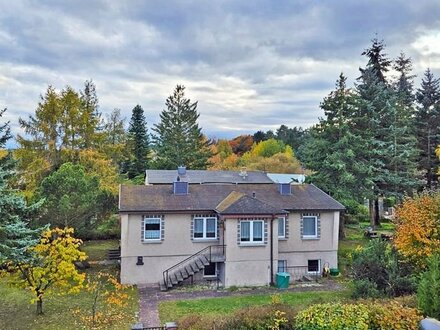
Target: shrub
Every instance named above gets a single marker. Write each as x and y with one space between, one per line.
355 211
333 317
392 315
365 289
381 265
428 293
375 316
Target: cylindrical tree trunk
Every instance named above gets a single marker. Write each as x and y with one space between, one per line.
40 306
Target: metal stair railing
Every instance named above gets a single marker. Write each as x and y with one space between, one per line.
208 252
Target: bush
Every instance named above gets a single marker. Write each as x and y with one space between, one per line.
375 316
428 293
365 289
256 318
392 315
333 317
381 265
355 211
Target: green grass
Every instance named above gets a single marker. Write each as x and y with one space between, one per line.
174 310
16 311
97 250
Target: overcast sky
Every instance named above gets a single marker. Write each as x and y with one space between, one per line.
252 65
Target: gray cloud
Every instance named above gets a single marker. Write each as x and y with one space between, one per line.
251 64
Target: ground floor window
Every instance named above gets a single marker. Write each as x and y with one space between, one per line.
313 266
282 266
210 270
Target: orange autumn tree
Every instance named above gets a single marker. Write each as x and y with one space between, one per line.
418 227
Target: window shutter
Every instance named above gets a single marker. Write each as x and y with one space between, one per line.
301 227
162 227
217 222
142 228
286 227
238 232
265 231
318 225
191 230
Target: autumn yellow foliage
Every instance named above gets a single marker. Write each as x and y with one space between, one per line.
52 266
418 227
108 299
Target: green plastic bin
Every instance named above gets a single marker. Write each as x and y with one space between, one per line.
334 271
283 280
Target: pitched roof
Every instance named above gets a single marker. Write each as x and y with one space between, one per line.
239 203
207 197
203 176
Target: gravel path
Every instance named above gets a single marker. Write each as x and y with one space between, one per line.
150 297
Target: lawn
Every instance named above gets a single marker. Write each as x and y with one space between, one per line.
16 311
174 310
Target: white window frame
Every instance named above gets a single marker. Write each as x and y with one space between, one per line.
319 267
146 218
251 232
316 227
205 228
284 228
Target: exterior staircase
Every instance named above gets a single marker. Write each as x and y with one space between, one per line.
191 265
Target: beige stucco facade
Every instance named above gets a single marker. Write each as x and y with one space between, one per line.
245 264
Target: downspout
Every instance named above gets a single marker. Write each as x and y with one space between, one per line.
271 250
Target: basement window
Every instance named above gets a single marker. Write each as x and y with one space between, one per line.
210 270
313 266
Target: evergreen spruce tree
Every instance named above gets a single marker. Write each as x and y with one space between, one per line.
332 150
385 121
15 234
179 139
138 143
428 127
90 117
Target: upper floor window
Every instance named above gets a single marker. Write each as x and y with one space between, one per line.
310 227
152 228
251 231
281 227
205 228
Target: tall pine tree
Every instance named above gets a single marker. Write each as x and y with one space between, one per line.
428 127
138 143
384 122
179 139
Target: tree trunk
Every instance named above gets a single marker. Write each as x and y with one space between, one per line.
371 211
341 226
376 213
40 306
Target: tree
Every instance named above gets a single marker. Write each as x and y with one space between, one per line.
417 234
428 127
179 139
428 292
382 122
15 235
90 117
333 149
241 144
108 298
72 197
291 136
51 264
138 143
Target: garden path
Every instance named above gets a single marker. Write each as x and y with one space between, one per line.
151 296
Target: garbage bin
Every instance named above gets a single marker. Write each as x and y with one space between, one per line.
283 280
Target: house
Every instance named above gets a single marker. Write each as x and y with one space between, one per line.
213 225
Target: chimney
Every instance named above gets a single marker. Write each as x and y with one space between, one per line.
253 194
285 188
